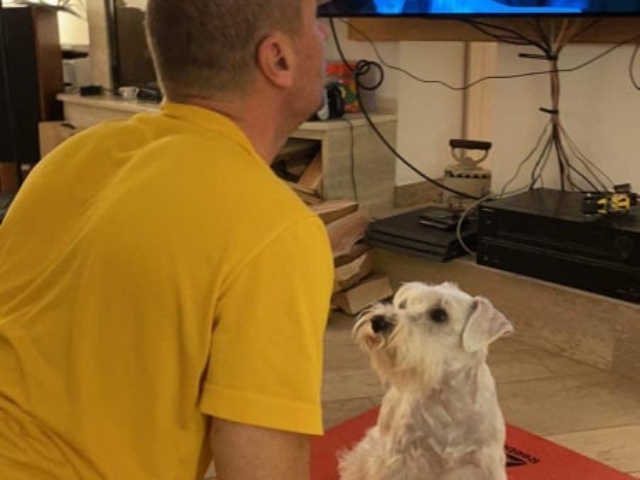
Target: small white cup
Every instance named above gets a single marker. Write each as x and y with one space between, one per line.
128 93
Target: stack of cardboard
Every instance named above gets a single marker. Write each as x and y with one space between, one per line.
299 164
356 284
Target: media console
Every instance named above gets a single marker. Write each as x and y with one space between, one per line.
543 233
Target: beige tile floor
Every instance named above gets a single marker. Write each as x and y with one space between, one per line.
581 407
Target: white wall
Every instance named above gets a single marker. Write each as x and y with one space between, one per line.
599 108
141 4
428 115
73 30
420 140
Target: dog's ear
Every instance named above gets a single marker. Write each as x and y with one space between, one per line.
484 325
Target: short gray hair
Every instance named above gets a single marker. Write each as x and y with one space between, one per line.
205 48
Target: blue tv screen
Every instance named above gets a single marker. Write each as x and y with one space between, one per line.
452 8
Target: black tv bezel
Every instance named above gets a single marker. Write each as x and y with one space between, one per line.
477 14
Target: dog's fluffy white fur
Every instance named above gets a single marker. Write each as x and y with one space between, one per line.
440 418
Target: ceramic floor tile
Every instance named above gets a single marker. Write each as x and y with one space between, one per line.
617 447
533 363
338 411
510 344
349 385
567 404
626 352
345 357
517 365
339 328
563 366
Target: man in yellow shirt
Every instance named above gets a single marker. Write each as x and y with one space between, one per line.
163 296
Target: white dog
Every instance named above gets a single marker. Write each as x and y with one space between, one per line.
440 418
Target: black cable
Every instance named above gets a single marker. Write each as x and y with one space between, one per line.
631 65
517 37
542 135
536 174
539 166
343 57
565 156
551 52
597 57
362 68
542 35
585 161
572 167
397 154
490 77
555 138
558 135
336 42
588 27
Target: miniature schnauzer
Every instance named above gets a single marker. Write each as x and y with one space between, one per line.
440 418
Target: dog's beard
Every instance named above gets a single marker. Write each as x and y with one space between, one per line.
375 327
399 354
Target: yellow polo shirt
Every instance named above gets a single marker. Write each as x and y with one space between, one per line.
154 271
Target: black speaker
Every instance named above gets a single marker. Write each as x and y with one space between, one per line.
332 105
30 78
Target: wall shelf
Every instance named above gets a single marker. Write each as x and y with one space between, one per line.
605 30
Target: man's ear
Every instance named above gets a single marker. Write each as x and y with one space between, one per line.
484 325
276 59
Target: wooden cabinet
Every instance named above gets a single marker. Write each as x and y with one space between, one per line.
355 163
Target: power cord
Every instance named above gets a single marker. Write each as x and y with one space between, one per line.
384 63
551 44
631 65
362 70
557 138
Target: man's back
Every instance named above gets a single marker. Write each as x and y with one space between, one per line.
116 263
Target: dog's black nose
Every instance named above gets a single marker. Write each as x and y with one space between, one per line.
379 324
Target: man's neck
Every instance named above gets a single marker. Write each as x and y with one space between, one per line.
260 122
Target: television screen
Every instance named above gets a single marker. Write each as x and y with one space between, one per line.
448 8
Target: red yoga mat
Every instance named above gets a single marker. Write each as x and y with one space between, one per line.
529 457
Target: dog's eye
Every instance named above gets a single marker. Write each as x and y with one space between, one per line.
403 304
438 315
